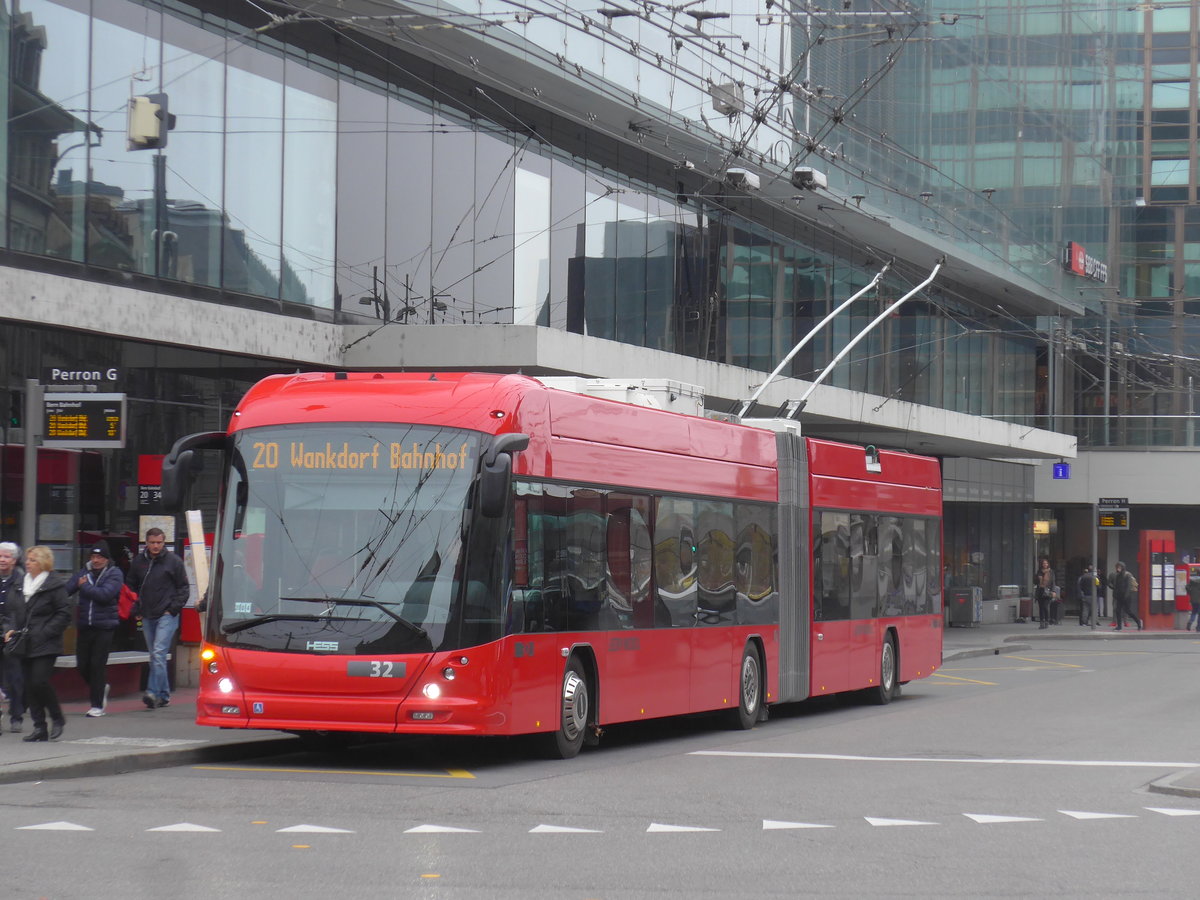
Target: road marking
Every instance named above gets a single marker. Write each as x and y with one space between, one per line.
771 824
439 829
964 680
1047 662
1086 763
655 827
887 823
1075 814
448 773
311 829
984 819
562 829
54 826
1168 811
183 826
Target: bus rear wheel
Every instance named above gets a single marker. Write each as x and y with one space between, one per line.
749 691
883 692
574 708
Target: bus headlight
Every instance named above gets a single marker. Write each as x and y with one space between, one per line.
225 685
449 674
432 691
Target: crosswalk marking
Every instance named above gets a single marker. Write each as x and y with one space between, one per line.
440 829
183 826
312 829
1075 814
562 829
1167 811
771 824
884 823
54 826
656 827
984 819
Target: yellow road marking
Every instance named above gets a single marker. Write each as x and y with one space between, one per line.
448 773
964 680
1048 662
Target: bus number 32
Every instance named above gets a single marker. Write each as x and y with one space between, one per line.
375 668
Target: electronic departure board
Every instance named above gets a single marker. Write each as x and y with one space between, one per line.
1113 519
84 420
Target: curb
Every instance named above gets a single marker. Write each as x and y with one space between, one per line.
984 651
1170 785
126 762
1108 635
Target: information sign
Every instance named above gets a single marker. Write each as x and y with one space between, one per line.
84 420
1109 519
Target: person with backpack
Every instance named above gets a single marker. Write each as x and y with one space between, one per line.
99 585
1124 592
1044 592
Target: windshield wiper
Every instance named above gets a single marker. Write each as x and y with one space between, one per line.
355 601
271 617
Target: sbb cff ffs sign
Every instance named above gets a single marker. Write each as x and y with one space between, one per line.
1077 260
84 420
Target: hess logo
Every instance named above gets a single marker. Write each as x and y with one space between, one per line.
322 646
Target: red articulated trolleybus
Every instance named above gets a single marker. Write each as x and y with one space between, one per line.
481 554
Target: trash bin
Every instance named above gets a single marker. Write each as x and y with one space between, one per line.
966 606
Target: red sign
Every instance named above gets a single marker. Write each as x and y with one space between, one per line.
1077 260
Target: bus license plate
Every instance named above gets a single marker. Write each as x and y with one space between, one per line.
375 668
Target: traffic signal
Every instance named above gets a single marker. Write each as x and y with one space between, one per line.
149 122
16 406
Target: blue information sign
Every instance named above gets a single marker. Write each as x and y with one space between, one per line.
1062 470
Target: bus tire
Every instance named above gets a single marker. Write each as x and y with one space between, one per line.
750 690
883 692
574 711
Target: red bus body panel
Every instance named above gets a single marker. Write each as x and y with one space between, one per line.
513 685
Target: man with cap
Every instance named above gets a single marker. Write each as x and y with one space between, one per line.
98 584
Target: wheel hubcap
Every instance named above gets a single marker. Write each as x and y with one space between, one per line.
887 669
575 705
750 683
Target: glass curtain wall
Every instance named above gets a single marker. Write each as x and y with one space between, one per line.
301 182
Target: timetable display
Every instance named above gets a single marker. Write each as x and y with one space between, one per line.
84 420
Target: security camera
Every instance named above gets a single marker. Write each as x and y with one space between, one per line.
808 179
740 178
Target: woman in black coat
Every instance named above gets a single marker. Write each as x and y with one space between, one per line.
43 608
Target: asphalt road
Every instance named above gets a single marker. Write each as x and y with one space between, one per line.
1010 776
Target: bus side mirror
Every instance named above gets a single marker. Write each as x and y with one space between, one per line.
495 477
180 465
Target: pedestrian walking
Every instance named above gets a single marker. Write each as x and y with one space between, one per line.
98 584
34 628
1124 594
1088 586
161 583
1193 592
1044 592
11 682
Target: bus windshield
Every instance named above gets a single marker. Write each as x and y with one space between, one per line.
347 538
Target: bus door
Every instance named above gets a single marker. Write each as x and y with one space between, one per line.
831 624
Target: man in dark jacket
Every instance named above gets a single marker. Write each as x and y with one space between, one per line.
161 583
11 576
98 584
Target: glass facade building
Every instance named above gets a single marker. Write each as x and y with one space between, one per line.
546 164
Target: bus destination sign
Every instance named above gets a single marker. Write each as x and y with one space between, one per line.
84 420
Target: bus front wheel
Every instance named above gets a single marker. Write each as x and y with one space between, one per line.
886 689
574 708
750 690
